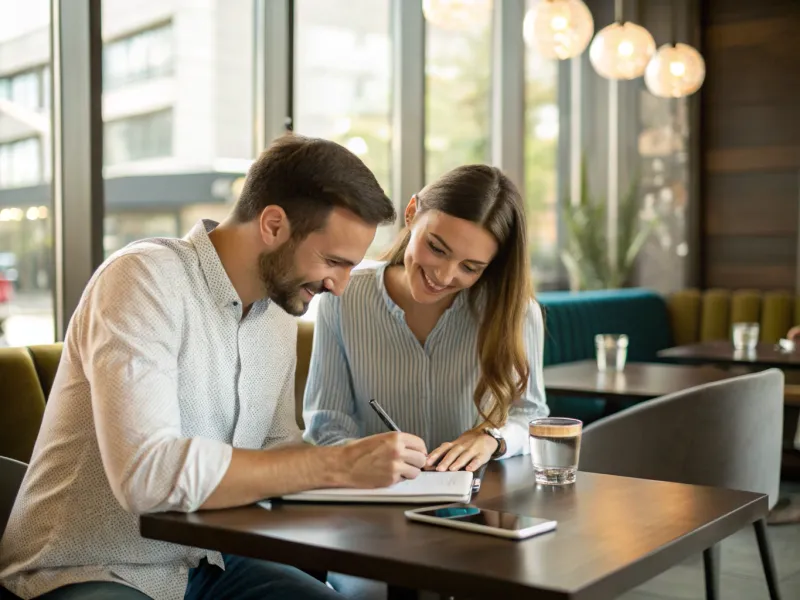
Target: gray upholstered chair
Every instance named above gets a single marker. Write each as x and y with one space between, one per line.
725 434
11 474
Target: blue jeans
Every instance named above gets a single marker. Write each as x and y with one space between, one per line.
242 579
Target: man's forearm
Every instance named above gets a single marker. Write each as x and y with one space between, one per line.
257 474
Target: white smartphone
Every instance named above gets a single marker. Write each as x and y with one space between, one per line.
482 520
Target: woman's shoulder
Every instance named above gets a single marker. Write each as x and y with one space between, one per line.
364 286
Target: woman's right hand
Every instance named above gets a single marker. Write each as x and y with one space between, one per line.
382 460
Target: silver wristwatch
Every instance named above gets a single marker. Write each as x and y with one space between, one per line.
501 442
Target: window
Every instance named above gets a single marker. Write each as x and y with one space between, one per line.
144 55
21 163
26 239
458 92
139 137
29 89
180 159
541 163
123 228
343 83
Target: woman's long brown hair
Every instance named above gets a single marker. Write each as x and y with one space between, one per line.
484 195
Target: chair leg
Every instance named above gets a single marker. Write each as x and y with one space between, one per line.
766 559
711 571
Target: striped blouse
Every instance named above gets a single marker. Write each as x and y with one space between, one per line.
364 349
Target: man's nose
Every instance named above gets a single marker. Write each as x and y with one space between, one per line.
337 285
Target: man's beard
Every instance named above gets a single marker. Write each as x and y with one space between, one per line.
279 277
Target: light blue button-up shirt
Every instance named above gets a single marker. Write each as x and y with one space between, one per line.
364 349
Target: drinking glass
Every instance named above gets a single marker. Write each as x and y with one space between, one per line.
745 336
555 449
612 351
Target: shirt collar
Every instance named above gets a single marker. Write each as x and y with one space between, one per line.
219 284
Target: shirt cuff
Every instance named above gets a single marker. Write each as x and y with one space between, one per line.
516 437
205 465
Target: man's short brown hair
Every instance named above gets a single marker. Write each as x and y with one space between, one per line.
307 178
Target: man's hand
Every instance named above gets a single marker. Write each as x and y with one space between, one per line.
470 450
382 460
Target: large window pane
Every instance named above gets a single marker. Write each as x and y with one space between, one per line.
26 241
343 82
458 59
178 112
541 162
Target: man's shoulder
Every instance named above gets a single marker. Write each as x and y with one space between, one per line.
164 258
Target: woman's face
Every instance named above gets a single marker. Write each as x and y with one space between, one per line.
445 254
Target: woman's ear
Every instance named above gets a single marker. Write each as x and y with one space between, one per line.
411 210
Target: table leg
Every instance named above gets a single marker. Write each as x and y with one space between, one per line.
394 592
711 567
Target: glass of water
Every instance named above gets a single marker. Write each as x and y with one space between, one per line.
555 449
612 351
745 336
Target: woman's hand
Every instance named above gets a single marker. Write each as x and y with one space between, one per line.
472 449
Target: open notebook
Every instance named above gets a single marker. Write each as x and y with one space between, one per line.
429 486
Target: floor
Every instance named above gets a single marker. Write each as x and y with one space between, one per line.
742 577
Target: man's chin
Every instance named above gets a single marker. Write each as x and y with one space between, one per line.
296 308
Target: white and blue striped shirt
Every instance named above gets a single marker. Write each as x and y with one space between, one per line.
364 349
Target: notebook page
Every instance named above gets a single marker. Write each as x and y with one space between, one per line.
427 483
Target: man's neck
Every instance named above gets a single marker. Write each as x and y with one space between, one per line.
230 240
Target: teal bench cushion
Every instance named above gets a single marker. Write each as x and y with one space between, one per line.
572 319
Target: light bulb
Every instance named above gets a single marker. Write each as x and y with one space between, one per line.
458 15
558 28
675 71
621 51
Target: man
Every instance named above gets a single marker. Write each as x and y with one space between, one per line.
175 392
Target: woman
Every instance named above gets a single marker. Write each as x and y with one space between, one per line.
445 334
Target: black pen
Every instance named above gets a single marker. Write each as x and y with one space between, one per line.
384 417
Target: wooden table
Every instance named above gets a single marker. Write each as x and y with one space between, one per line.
637 382
613 534
722 353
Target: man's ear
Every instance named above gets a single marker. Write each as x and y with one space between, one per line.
411 210
274 226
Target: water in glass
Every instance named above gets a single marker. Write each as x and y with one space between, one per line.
745 336
612 351
555 449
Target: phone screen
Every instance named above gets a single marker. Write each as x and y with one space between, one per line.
482 516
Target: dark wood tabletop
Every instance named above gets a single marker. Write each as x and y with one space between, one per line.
638 381
722 353
613 534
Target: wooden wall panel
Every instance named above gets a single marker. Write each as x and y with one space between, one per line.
750 139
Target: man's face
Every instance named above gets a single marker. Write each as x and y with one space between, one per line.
297 270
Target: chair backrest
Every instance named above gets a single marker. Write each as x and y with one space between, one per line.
573 319
11 474
705 316
724 434
22 403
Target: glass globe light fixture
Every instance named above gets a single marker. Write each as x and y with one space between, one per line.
622 51
558 28
457 15
675 71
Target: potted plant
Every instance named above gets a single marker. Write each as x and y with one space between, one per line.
586 254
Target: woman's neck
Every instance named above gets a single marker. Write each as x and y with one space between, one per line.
420 318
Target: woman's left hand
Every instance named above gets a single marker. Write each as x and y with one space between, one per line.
470 449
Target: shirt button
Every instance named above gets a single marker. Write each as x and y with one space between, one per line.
235 303
183 570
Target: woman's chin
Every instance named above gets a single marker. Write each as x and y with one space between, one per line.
421 295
